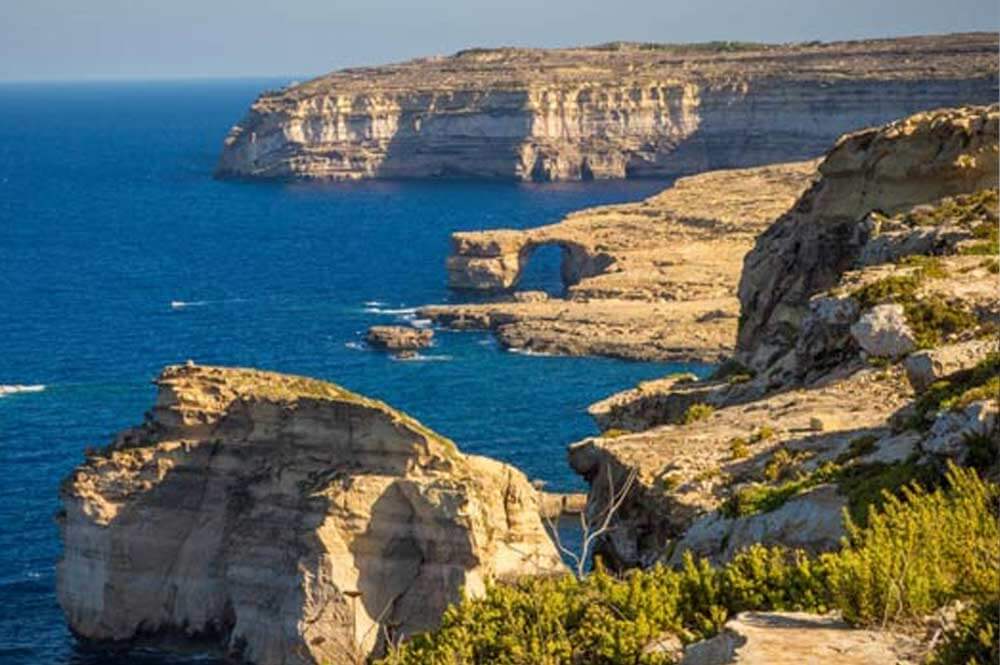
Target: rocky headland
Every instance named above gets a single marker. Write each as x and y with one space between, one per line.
821 467
866 357
610 111
654 280
279 520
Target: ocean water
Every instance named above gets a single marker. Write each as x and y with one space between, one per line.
120 254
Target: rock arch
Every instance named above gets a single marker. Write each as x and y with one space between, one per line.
496 260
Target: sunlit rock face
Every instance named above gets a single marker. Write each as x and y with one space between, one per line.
617 111
283 520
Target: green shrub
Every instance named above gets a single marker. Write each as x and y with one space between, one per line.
964 209
934 318
696 412
739 448
867 486
931 318
984 450
756 498
783 464
858 447
607 619
614 433
959 390
763 434
918 553
975 638
928 267
895 288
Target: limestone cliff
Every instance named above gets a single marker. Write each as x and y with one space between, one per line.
612 111
649 280
887 169
869 316
280 519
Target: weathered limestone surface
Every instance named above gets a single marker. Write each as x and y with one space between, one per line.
612 111
893 168
653 280
399 339
925 367
816 408
284 520
796 638
685 472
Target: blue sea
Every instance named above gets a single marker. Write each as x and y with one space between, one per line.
119 254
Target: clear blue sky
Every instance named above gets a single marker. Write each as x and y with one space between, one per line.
147 39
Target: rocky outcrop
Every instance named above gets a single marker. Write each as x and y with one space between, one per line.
686 472
653 280
399 340
883 332
890 169
281 520
612 111
797 638
827 406
925 367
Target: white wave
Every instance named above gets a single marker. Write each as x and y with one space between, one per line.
390 311
420 358
529 352
180 304
421 323
18 388
374 303
357 346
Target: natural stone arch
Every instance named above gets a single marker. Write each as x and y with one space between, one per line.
496 260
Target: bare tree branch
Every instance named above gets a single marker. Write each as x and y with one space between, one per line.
616 497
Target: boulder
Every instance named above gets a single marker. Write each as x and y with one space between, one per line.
951 430
812 521
883 332
916 160
797 638
284 521
401 340
925 367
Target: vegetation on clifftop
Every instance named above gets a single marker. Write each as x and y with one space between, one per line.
917 553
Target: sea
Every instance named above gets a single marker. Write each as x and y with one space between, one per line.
120 254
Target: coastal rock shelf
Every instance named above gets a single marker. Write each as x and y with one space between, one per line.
611 111
283 520
653 280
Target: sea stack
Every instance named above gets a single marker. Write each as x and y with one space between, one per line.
283 520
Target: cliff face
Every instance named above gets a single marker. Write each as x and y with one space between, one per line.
605 112
868 350
649 280
284 520
914 161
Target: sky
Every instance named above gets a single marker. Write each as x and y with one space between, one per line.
164 39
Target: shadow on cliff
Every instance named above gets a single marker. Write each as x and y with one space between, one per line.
411 559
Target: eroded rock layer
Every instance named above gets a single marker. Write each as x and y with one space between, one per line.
653 280
281 519
868 359
614 111
888 169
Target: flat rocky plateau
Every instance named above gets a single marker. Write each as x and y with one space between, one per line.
612 111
